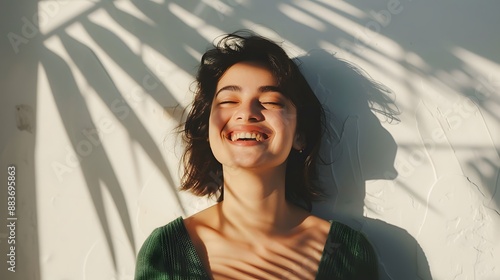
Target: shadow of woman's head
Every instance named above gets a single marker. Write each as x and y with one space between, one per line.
357 147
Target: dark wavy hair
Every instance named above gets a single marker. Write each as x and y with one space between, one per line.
202 172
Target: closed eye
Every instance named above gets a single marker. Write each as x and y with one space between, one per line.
227 102
272 104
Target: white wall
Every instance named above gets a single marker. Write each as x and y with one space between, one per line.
94 89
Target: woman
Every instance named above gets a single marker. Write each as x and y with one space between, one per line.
252 137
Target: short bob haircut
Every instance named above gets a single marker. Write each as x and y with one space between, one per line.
202 172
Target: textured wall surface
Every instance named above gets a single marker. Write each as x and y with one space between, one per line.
92 91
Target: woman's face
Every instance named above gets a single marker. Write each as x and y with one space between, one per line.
252 125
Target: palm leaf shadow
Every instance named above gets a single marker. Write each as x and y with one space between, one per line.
98 78
130 63
97 167
66 92
157 36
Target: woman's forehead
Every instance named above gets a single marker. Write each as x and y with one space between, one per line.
247 74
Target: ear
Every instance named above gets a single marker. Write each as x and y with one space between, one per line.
299 142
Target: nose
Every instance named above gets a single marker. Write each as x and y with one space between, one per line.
249 111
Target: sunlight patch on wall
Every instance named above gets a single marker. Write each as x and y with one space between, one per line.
292 49
128 7
222 8
107 23
206 30
301 17
344 7
53 14
175 79
335 19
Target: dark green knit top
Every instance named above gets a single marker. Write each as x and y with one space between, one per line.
169 253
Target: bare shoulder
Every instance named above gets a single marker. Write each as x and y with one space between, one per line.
311 230
201 221
312 222
317 227
319 222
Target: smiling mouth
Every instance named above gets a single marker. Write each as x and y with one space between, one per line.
248 136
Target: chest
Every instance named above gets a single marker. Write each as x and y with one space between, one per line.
295 257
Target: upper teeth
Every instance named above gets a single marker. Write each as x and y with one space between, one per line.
246 135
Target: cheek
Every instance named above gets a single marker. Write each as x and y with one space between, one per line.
216 123
290 121
213 125
284 122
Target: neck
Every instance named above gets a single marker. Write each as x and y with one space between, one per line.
254 202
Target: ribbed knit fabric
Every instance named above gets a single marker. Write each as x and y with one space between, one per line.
347 255
168 253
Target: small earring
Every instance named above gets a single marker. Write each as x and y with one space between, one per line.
301 150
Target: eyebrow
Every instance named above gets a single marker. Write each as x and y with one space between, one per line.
238 88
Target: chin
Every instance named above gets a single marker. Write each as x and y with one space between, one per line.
243 164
